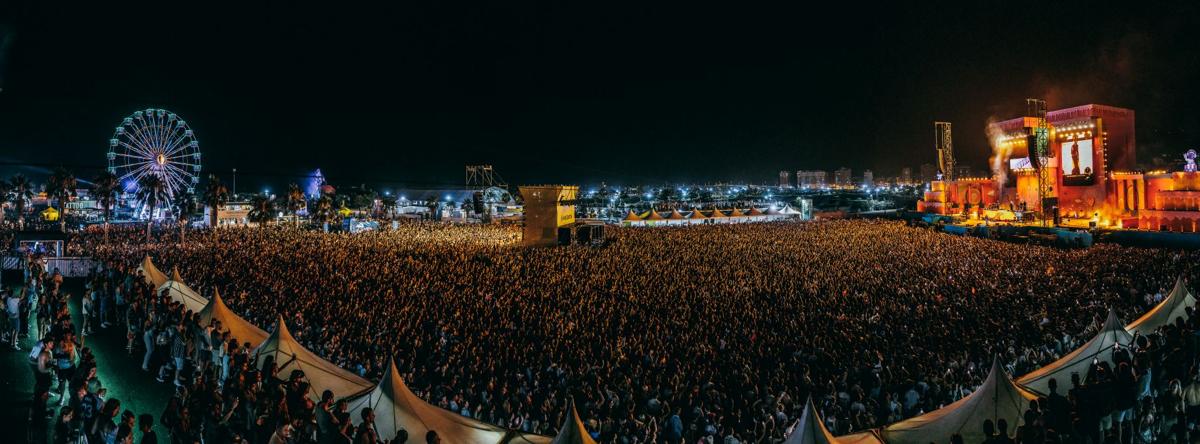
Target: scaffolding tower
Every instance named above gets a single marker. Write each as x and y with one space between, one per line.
945 149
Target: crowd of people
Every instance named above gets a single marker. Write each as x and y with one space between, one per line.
695 334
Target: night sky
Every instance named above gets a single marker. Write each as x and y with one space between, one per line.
578 92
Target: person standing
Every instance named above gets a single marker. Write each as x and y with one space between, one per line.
12 305
146 425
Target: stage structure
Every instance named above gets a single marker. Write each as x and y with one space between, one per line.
1074 162
547 208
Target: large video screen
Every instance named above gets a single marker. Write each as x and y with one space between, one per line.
1077 165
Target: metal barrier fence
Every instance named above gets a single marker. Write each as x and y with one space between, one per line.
68 266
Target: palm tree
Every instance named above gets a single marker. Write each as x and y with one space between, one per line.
262 209
323 211
183 207
20 193
152 191
61 187
215 197
105 190
388 204
295 201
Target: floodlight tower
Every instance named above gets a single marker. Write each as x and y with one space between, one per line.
945 149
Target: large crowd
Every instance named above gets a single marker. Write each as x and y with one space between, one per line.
695 334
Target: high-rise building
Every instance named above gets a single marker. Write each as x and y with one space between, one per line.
928 173
868 179
783 180
842 177
810 179
906 176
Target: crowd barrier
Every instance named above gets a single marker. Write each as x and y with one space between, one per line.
69 266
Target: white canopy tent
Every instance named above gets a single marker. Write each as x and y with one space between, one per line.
1101 347
320 374
572 430
997 398
398 408
181 293
239 328
809 429
151 273
1173 307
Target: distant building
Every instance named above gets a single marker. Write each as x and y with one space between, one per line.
963 171
842 177
868 179
784 182
928 173
906 176
810 179
229 214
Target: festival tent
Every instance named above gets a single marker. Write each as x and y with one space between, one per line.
175 274
675 215
320 374
809 429
654 216
398 408
787 209
696 214
239 328
572 430
717 213
1173 307
754 212
997 398
1101 347
181 293
151 273
631 217
736 213
865 437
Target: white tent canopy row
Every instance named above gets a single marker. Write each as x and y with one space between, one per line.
181 293
151 273
1166 312
238 328
320 374
397 408
1100 348
997 398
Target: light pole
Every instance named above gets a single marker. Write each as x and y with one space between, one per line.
235 183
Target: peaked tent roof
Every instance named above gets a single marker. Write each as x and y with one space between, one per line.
675 215
572 430
151 273
865 437
320 374
1174 306
717 213
398 408
654 216
696 214
632 216
787 209
997 398
181 293
736 213
773 212
1078 361
754 212
239 328
175 274
809 429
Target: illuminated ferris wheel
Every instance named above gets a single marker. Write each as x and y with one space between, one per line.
155 142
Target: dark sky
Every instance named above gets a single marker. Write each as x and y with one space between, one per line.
578 92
